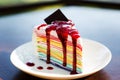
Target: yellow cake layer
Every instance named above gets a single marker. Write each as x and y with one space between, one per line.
57 45
56 50
39 38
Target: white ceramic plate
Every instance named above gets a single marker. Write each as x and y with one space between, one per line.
95 57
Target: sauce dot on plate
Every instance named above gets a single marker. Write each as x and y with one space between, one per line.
31 64
40 67
50 68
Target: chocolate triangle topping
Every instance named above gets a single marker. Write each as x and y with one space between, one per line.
56 16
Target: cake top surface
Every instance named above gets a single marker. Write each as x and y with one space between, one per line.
59 23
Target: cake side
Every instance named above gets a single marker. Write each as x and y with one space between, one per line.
56 47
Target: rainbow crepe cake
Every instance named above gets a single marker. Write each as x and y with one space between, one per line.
58 42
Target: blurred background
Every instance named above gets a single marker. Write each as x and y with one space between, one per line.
4 3
17 17
98 20
13 6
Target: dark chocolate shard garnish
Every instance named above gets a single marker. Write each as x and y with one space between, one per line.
56 16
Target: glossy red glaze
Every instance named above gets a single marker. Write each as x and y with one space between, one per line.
63 29
42 25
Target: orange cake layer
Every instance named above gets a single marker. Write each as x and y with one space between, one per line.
57 48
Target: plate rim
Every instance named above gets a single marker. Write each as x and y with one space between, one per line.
52 76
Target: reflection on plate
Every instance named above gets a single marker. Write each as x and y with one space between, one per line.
95 57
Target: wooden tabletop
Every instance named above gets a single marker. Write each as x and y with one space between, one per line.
102 25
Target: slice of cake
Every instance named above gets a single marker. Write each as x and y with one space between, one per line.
58 42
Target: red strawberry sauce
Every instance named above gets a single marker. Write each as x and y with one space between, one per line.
63 29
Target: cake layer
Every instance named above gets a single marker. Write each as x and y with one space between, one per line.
56 48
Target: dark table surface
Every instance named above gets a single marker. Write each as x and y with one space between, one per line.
102 25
